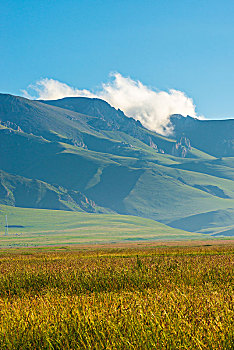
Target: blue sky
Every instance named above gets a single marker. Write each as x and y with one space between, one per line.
186 45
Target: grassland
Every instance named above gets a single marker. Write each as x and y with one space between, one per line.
126 298
40 227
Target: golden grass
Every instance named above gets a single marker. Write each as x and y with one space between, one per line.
125 298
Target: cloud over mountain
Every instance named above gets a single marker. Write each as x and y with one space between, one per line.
151 107
50 89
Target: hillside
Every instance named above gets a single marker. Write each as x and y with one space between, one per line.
73 151
39 227
30 193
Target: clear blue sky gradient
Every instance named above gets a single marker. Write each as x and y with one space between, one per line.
181 44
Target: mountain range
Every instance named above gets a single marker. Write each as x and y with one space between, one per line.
81 154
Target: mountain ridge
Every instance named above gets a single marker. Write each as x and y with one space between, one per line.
113 160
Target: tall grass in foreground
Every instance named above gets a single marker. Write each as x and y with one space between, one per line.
161 298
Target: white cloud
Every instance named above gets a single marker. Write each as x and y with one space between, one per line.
152 108
50 89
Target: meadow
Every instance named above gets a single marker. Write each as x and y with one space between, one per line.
129 297
41 227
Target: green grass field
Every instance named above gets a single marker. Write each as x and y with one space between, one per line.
125 298
40 227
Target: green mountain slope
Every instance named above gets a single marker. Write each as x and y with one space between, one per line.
113 181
